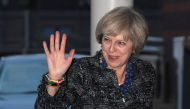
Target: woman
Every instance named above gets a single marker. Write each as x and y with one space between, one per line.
112 79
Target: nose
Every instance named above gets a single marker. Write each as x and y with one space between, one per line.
112 48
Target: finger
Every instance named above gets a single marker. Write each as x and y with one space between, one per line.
63 43
71 55
52 43
57 39
45 48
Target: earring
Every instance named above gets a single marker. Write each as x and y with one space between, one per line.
133 51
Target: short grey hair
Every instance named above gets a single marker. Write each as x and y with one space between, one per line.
124 20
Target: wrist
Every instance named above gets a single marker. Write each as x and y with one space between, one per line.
53 82
54 77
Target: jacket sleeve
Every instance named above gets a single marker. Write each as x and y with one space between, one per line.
46 101
65 94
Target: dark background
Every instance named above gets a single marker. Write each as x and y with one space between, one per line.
24 24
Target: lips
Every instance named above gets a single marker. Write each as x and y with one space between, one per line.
112 58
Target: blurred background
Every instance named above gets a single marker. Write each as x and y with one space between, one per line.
24 24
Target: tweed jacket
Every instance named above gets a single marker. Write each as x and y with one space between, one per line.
89 86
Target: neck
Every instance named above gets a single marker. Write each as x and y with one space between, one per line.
120 73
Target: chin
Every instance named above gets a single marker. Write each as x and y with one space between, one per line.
113 65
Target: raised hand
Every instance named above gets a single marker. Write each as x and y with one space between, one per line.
57 62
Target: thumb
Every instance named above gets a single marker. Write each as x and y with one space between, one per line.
71 55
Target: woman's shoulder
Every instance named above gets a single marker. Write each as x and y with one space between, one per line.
145 68
88 60
83 60
84 63
143 64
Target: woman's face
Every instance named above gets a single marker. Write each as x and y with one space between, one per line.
116 51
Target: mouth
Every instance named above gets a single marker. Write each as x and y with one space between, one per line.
113 58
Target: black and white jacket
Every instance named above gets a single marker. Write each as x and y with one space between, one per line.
89 86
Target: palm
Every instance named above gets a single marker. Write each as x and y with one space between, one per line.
58 64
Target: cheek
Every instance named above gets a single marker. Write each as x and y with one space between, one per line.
125 52
104 51
105 47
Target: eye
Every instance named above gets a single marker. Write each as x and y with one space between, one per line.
122 43
106 39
